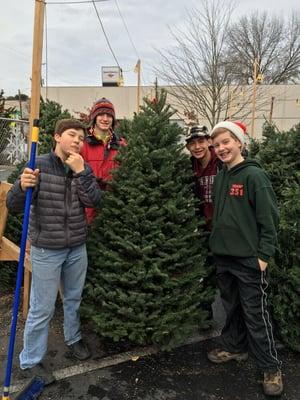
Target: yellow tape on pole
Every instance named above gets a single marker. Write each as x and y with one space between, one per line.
35 134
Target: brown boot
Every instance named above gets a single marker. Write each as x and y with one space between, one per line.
219 356
272 383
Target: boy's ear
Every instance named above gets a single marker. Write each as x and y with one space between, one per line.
56 137
240 143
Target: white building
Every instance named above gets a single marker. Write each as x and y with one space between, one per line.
282 102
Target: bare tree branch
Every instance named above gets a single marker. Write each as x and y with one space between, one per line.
195 68
270 40
210 68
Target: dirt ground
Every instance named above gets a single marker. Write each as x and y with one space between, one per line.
182 374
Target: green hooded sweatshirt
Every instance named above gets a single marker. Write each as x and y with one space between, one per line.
245 212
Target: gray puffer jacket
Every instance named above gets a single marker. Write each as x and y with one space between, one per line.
57 216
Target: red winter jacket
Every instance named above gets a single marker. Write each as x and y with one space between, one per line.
100 157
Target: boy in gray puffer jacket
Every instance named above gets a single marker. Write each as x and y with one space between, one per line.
63 186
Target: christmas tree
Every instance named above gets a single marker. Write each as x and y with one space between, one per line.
147 274
279 154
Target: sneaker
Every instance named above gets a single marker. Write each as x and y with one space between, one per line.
40 371
79 350
219 356
272 383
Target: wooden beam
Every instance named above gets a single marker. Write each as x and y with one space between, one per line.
4 188
9 251
36 65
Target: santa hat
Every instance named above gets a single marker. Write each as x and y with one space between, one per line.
235 127
102 106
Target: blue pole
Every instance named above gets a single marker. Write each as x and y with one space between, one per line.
10 354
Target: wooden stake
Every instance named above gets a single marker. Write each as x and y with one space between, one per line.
271 109
20 104
138 71
254 96
37 52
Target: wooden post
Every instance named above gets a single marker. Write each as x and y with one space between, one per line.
271 109
36 64
20 104
137 69
9 251
4 188
254 96
229 104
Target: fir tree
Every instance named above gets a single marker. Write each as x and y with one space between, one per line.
147 272
280 156
50 113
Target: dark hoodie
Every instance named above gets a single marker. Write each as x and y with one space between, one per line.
204 180
245 214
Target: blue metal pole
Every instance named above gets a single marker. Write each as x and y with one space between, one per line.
31 164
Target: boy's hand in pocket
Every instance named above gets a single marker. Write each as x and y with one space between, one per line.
262 264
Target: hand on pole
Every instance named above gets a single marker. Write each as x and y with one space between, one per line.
29 178
262 264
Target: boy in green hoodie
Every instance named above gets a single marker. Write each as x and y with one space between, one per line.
242 240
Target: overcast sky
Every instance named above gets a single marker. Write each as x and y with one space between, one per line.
76 48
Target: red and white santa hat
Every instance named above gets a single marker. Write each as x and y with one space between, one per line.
236 127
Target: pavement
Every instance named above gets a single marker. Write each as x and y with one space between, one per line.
120 372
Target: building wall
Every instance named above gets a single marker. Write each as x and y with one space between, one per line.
286 104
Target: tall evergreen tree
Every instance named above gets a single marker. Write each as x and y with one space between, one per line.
279 154
147 273
50 113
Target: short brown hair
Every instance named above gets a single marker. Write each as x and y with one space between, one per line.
68 123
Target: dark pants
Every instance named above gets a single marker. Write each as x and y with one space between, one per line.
243 292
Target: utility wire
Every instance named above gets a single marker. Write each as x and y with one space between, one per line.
129 36
103 30
125 25
55 72
17 52
74 2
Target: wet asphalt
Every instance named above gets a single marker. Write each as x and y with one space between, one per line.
181 374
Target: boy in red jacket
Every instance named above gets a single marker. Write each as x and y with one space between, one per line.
101 145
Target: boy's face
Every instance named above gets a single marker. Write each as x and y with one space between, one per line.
69 140
227 148
104 122
198 147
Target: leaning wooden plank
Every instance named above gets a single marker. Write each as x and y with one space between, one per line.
4 188
9 251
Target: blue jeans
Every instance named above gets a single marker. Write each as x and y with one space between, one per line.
51 270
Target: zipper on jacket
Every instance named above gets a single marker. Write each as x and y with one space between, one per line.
67 207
